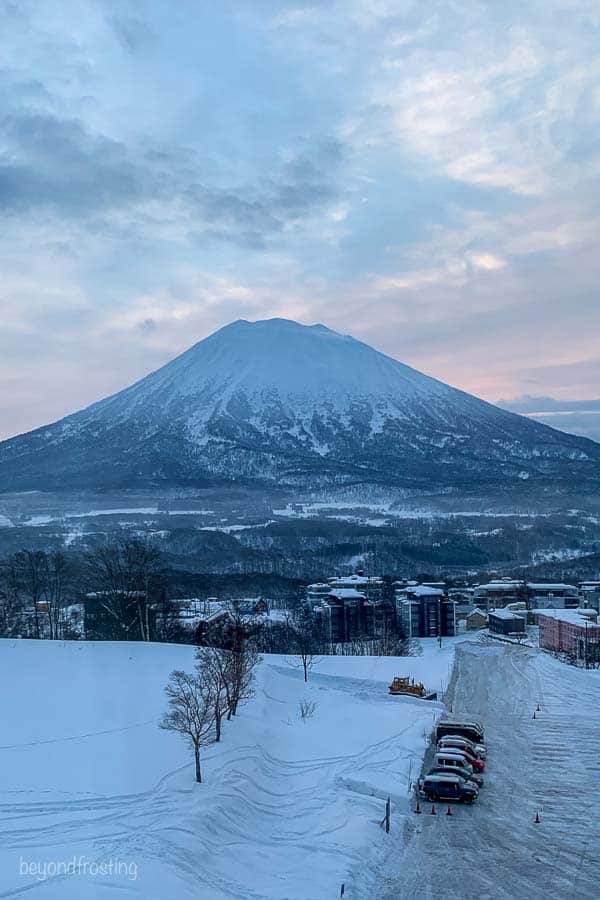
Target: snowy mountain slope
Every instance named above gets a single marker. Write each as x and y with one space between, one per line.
90 778
275 402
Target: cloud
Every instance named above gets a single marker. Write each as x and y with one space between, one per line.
574 416
487 261
425 177
57 165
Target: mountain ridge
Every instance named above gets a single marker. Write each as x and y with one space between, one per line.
274 402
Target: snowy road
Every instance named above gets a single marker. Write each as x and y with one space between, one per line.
548 764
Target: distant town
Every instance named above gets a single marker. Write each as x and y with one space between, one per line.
351 614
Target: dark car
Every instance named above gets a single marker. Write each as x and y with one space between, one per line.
442 786
440 768
471 730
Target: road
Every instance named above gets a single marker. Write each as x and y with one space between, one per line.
550 765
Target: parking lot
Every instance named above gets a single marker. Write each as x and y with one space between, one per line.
549 765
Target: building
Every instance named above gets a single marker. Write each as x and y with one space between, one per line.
346 614
476 619
342 615
504 621
249 606
370 585
552 596
379 617
571 631
119 616
507 592
497 594
589 594
423 611
316 593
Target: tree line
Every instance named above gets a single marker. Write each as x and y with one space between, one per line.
121 583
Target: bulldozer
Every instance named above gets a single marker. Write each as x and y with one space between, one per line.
408 686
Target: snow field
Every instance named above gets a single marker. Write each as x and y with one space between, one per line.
289 809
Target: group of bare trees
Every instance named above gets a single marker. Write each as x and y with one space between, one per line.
198 701
34 590
126 577
120 582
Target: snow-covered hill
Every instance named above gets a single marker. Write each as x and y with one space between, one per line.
275 402
288 808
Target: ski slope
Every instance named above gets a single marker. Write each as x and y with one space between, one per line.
289 809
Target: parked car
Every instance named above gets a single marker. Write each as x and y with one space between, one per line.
471 730
453 770
455 740
442 786
455 761
457 747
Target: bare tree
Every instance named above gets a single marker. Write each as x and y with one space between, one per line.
30 566
191 710
55 573
240 674
303 644
241 659
11 599
169 627
213 664
307 709
126 575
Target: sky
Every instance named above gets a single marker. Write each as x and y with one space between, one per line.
423 176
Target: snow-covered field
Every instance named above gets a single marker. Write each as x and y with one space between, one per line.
289 808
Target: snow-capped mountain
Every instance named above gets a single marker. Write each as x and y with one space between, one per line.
275 402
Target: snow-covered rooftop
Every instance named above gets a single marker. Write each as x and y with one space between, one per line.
355 579
551 587
421 590
499 586
505 614
572 616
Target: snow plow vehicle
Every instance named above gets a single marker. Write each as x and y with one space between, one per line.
406 686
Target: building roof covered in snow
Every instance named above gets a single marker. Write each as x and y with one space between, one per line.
572 616
499 586
505 614
423 590
346 594
541 588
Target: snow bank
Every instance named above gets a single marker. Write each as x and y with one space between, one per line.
289 808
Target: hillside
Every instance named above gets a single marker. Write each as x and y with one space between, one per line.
90 777
282 404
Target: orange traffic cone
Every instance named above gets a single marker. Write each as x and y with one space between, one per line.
537 820
433 812
418 807
449 812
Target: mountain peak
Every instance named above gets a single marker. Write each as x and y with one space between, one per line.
275 401
309 363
